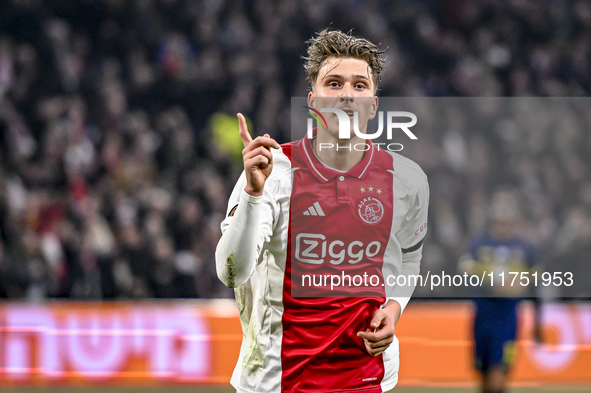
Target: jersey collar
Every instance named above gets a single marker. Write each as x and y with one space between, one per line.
324 173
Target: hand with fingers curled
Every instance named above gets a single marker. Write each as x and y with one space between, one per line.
257 158
383 322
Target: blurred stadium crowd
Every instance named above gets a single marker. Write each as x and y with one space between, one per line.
113 185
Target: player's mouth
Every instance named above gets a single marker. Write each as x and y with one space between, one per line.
349 113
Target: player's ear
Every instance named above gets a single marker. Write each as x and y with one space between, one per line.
374 108
311 99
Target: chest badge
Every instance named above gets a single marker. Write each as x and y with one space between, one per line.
370 210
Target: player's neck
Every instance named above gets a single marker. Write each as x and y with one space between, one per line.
341 156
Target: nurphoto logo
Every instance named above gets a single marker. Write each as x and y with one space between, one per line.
344 119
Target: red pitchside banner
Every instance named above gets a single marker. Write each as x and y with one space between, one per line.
186 342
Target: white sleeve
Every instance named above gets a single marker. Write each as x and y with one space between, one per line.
411 266
410 236
247 226
414 227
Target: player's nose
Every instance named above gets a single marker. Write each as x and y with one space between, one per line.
346 94
345 98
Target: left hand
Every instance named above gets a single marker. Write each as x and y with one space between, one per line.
383 322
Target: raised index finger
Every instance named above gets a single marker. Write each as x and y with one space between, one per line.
243 129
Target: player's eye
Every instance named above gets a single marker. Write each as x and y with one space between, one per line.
333 84
360 86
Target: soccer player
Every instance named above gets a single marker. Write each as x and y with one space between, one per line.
495 320
298 207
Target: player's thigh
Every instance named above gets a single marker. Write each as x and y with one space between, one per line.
502 351
481 350
504 346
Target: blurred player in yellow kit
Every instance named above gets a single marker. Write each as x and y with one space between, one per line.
499 251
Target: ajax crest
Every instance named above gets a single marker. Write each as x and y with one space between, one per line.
370 210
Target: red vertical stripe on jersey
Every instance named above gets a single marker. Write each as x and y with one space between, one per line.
320 347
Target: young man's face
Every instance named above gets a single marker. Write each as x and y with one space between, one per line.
345 83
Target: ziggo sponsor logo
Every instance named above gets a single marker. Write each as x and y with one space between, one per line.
313 248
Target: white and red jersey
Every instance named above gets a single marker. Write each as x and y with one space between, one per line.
311 218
